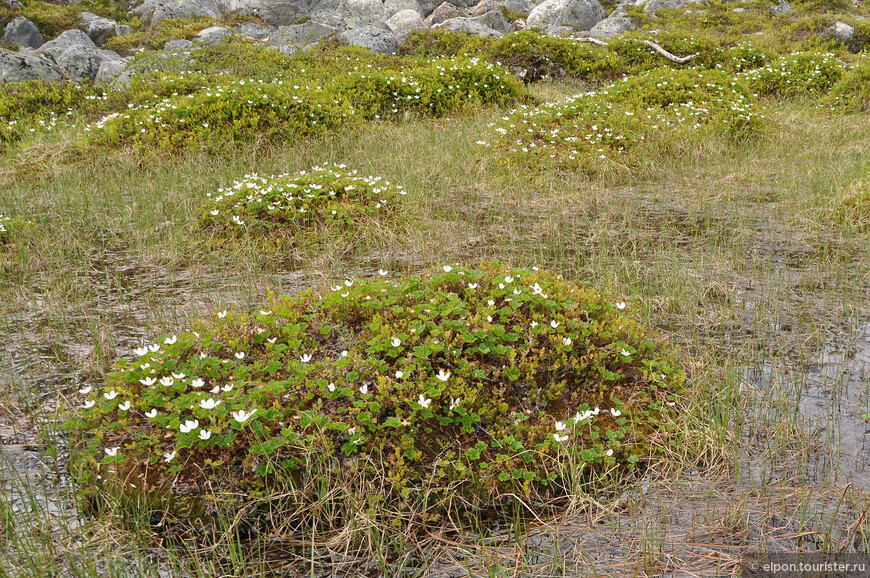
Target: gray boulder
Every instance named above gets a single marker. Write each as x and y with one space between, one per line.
393 7
376 38
97 28
214 35
18 66
255 31
156 10
177 45
523 7
404 23
80 62
66 41
782 8
495 19
445 12
576 14
614 25
110 69
468 26
123 30
14 4
841 32
656 5
308 33
22 32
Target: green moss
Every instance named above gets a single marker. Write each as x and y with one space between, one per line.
316 203
462 384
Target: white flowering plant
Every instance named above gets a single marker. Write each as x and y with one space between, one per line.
479 380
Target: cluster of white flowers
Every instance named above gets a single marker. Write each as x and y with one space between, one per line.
808 71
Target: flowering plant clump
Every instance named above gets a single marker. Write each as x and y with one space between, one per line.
482 382
240 110
852 92
323 197
795 74
594 129
6 225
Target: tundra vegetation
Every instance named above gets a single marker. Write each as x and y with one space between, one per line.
472 306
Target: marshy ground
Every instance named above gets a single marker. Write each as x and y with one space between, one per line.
751 257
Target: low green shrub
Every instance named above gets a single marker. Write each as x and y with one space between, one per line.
33 105
242 111
320 201
852 92
441 43
595 131
455 387
796 74
154 37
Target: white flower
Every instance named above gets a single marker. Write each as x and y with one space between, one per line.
262 312
85 390
348 282
554 324
197 383
240 355
671 403
400 374
489 318
624 353
491 302
227 388
560 438
178 375
331 387
188 426
586 415
344 353
170 340
305 358
534 324
209 403
222 314
536 289
152 413
215 389
443 375
88 404
472 285
560 425
566 340
396 341
447 268
620 305
272 339
166 381
242 416
204 434
124 406
508 279
154 348
364 388
424 401
454 402
140 351
608 453
169 456
596 411
381 272
148 381
615 412
112 452
111 395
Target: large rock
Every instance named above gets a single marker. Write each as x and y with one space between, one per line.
444 12
214 34
97 28
18 66
66 41
110 69
494 19
656 5
841 32
523 7
468 26
177 45
614 25
393 7
156 10
576 14
22 32
308 33
781 8
255 31
404 23
376 38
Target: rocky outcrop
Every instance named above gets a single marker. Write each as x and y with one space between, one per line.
214 35
22 32
575 14
468 26
656 5
18 66
100 29
77 55
614 25
307 33
156 10
444 12
404 23
377 38
841 32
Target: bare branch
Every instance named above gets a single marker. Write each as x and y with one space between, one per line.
668 55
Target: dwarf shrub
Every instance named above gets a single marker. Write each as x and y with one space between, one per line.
155 37
852 92
596 130
796 74
321 199
463 383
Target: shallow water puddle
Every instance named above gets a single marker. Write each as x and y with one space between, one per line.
826 400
